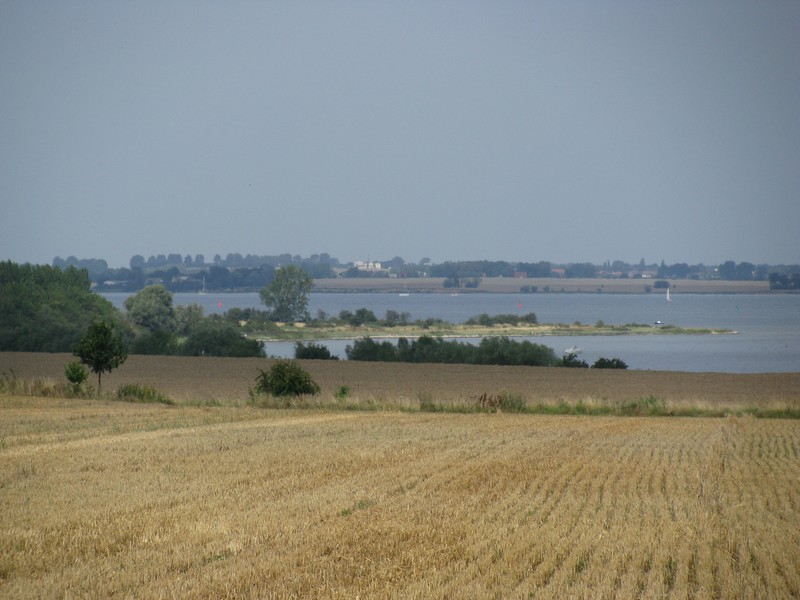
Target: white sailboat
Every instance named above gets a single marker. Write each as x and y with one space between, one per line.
203 291
668 298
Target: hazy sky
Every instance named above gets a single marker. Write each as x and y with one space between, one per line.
566 131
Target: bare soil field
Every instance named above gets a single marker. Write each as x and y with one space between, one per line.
510 285
229 379
109 499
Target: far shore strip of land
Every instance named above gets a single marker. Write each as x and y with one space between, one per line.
304 332
511 285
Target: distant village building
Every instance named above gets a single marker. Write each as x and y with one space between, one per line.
368 265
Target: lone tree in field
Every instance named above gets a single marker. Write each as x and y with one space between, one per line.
101 350
286 297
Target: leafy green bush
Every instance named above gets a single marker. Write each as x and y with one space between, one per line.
76 373
609 363
159 342
313 352
217 338
572 361
427 349
485 320
650 406
133 392
369 350
285 378
512 402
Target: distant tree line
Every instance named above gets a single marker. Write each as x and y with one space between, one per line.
44 308
162 329
193 274
784 281
189 273
427 349
486 320
490 351
47 309
233 261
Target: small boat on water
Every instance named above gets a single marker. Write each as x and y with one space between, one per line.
572 351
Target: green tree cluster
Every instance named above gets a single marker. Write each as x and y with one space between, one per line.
427 349
474 269
486 320
579 270
151 309
215 337
163 330
781 281
47 309
360 317
609 363
313 351
286 297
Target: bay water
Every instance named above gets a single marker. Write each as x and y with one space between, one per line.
767 326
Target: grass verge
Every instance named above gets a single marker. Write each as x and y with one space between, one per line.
343 399
133 392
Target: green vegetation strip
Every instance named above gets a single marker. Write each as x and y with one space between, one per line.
515 403
325 331
505 402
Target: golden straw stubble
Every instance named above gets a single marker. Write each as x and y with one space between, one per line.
114 499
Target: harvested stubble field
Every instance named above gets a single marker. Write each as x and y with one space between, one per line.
105 498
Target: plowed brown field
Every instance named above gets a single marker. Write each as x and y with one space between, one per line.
230 378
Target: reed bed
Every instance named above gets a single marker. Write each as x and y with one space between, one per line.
111 499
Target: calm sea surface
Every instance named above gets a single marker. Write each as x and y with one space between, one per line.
767 326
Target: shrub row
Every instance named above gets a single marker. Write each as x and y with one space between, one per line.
427 349
486 320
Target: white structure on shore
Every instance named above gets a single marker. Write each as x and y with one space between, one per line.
368 266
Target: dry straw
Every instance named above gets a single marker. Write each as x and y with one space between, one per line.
109 499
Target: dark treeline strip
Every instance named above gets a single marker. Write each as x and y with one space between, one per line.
45 309
427 349
179 273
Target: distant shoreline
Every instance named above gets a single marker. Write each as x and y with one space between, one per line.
302 333
512 285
